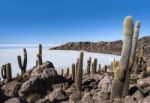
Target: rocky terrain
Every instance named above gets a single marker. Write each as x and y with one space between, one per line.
113 47
124 81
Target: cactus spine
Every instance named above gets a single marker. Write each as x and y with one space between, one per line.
73 72
78 81
122 71
6 72
39 55
88 65
23 65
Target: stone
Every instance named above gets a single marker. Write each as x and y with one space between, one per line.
138 95
146 100
106 84
101 97
34 84
87 98
11 89
57 95
16 100
144 82
39 70
130 99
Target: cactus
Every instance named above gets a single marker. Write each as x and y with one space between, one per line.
73 72
134 41
76 66
88 65
78 81
142 51
23 65
115 65
99 68
67 72
6 72
39 55
3 71
39 60
122 71
94 66
62 72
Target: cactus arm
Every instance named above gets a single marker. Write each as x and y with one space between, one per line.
25 60
19 62
3 71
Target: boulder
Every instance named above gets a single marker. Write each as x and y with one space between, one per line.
87 98
130 99
57 95
145 100
11 88
144 82
16 100
101 97
34 84
106 84
138 95
45 70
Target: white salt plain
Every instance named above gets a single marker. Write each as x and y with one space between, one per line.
60 58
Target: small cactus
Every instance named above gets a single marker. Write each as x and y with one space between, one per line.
94 66
39 60
39 55
62 72
6 72
73 72
23 65
67 72
88 65
78 81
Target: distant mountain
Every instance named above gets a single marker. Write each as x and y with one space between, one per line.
113 47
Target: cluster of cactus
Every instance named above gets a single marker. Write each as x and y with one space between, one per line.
39 56
122 71
6 72
94 66
88 65
23 65
78 80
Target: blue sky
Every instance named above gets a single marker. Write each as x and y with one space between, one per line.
59 21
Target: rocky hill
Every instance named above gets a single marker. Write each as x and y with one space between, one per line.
113 47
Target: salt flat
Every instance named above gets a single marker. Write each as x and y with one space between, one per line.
60 58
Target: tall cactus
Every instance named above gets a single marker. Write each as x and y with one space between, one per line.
122 71
23 65
78 81
6 72
88 65
73 72
39 55
134 41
